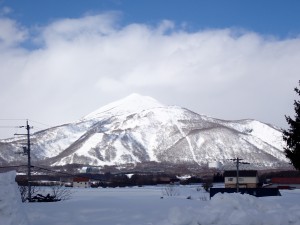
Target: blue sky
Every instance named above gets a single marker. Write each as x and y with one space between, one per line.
271 17
61 60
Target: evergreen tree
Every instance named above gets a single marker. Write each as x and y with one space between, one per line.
292 135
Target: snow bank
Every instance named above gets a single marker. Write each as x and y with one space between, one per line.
144 206
236 209
11 211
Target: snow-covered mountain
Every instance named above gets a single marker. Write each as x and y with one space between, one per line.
140 129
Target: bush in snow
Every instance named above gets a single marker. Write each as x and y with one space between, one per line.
207 185
170 190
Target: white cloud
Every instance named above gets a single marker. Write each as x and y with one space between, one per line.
78 30
84 63
11 33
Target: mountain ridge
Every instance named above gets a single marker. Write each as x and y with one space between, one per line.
139 129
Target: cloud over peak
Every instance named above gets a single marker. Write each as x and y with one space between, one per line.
93 60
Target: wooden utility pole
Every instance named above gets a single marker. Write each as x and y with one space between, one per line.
238 162
27 151
29 160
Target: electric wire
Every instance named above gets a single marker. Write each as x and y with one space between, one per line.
11 119
34 121
9 127
6 167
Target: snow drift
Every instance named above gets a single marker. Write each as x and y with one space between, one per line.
237 209
11 208
144 206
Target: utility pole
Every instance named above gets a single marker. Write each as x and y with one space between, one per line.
27 151
237 171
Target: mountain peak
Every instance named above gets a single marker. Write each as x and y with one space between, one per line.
130 104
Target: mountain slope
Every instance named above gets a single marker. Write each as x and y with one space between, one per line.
139 129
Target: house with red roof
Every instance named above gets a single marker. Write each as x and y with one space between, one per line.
81 182
284 183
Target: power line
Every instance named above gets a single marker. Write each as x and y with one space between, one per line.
46 125
12 119
34 121
38 128
6 167
9 127
7 124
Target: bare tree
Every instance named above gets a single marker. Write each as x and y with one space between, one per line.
60 193
55 193
24 191
170 190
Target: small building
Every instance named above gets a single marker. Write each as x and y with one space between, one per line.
81 182
247 178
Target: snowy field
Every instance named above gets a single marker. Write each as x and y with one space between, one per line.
145 206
